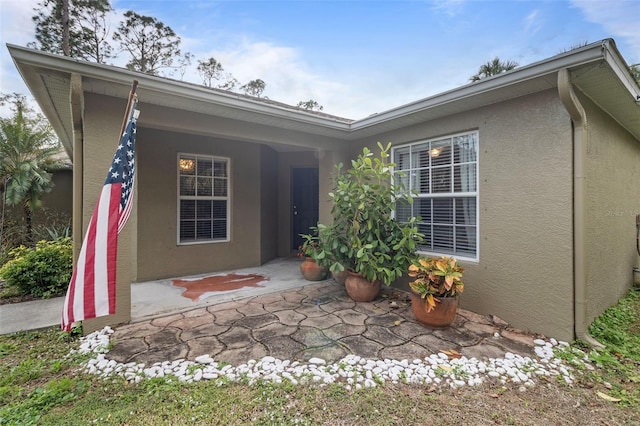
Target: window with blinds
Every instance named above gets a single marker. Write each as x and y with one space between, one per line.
203 199
443 176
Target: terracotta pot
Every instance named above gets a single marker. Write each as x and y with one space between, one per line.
340 277
360 289
441 316
311 271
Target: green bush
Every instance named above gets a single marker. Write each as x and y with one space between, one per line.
43 271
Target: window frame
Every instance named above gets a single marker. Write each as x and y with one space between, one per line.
452 195
227 198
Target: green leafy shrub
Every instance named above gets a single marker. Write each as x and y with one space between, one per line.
43 271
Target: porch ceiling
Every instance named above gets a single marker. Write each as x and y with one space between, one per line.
598 70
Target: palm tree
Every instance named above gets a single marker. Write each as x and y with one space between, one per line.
26 149
493 67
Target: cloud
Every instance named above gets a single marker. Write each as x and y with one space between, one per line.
619 18
287 76
531 22
448 7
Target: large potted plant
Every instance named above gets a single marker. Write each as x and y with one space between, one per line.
364 238
435 290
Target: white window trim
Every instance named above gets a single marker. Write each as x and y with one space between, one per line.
476 194
179 197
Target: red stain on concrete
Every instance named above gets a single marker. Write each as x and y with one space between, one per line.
196 288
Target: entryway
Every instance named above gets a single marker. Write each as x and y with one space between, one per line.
304 202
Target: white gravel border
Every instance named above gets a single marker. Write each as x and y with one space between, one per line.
352 371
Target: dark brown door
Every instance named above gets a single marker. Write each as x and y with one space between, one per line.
304 202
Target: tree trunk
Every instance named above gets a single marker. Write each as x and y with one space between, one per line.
65 27
28 218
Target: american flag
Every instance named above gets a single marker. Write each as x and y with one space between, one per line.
92 289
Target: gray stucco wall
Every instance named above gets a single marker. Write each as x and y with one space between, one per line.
268 204
159 255
525 269
612 171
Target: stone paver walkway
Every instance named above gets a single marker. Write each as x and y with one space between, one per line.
317 320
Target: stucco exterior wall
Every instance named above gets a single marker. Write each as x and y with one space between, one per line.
159 255
612 170
525 269
268 204
58 201
102 123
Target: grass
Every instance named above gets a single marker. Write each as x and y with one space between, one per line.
41 384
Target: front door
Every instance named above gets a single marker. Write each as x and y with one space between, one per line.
304 203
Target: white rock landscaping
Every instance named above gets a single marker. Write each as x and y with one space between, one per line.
352 371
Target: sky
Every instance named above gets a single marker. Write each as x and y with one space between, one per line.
356 57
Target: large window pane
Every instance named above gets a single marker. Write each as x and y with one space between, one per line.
466 240
441 179
441 153
204 209
403 211
422 208
220 209
443 238
425 230
187 165
187 185
465 149
187 230
420 156
205 167
420 181
187 209
220 187
465 211
219 229
443 210
204 187
464 178
204 230
402 158
220 169
402 179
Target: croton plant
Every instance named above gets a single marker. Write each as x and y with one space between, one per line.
436 277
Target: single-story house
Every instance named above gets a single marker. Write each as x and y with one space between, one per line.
531 177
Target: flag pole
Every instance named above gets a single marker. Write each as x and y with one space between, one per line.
127 113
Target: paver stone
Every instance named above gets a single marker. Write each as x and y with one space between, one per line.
362 346
383 335
205 330
256 321
237 337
